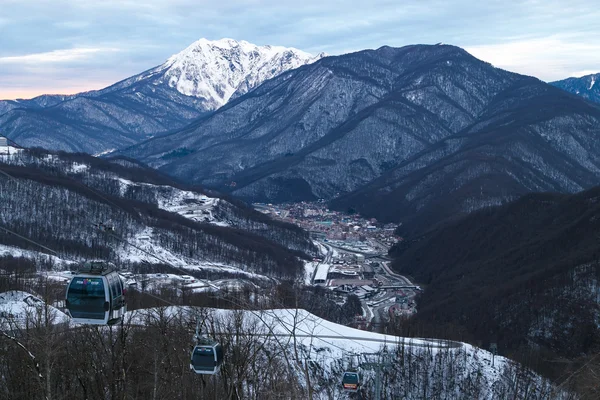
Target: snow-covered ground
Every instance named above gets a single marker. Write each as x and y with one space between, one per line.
18 309
306 328
309 270
18 252
78 168
7 151
195 206
324 343
145 241
329 345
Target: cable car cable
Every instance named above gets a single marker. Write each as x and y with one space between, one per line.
180 269
30 241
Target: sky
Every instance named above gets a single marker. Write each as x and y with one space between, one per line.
69 46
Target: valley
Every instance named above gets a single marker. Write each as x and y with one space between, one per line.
294 219
354 261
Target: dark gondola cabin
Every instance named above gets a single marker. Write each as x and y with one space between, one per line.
207 358
95 295
351 381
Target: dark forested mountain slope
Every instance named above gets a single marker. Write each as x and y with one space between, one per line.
57 198
100 121
195 81
426 131
531 138
332 126
524 274
587 86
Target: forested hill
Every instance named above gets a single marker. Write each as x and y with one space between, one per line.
524 275
57 198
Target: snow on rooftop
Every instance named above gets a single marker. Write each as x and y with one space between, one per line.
322 271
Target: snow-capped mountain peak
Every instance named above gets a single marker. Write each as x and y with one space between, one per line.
223 69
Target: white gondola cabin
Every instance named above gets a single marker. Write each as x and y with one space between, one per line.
95 295
207 358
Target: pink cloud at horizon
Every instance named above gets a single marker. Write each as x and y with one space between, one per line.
29 93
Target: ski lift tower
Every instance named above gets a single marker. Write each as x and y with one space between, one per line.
379 366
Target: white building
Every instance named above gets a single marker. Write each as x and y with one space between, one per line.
321 274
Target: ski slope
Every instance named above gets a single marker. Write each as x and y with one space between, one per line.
417 364
329 346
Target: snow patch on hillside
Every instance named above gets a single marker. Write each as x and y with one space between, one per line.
192 205
7 151
146 248
18 309
18 252
78 168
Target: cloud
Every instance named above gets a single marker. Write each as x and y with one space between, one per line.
56 56
549 58
544 38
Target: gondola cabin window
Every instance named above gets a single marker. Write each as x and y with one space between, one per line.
207 359
204 358
86 298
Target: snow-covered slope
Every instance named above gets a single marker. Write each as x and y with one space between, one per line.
69 195
222 69
18 309
416 368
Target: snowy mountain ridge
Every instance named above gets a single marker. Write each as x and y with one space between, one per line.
223 69
190 84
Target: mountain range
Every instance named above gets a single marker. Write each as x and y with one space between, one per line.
587 86
395 133
414 135
191 83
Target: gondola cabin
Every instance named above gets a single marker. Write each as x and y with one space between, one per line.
207 358
351 381
95 295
